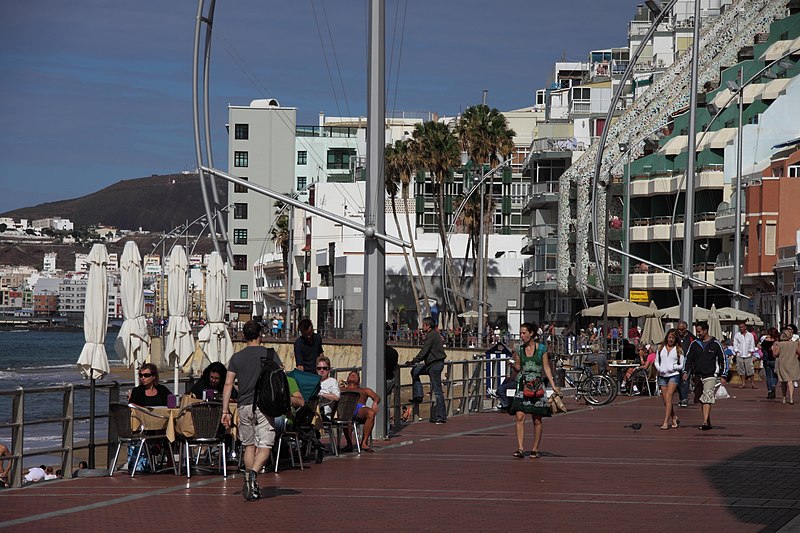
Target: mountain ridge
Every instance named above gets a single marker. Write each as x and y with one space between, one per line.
155 203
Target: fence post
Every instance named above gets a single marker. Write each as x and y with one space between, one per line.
68 428
113 397
17 432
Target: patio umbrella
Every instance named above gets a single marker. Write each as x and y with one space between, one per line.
622 309
729 314
93 361
180 343
674 313
653 331
714 326
214 338
133 342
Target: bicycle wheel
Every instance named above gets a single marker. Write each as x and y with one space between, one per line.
599 390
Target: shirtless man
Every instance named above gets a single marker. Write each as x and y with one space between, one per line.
363 414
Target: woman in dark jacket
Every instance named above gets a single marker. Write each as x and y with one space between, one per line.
149 393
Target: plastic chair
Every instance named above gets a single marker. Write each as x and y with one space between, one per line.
122 418
328 423
206 418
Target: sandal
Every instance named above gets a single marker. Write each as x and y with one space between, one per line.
534 455
519 454
665 427
367 449
676 424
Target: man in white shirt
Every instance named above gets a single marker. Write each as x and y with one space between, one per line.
744 345
329 388
35 474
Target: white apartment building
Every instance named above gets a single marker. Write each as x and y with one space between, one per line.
53 223
49 263
261 149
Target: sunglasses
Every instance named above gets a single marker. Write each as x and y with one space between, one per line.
145 375
322 368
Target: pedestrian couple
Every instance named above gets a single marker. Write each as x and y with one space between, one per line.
704 361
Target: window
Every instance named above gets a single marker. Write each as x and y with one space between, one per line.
794 171
243 291
302 157
240 236
301 183
240 211
770 238
240 262
239 158
240 188
339 158
241 132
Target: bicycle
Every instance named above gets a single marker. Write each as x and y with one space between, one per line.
595 389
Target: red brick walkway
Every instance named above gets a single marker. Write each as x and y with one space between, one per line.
594 475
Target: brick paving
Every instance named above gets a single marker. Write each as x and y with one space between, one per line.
594 475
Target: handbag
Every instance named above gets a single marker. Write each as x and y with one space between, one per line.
533 389
555 404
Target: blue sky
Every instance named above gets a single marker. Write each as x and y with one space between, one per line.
96 91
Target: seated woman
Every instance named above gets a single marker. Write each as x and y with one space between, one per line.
149 393
213 378
646 359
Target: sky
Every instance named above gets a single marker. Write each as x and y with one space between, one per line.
93 92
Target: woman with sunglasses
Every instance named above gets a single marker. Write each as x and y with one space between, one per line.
149 393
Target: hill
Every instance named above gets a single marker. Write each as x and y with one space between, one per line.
155 203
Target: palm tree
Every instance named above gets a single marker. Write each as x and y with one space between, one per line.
280 237
486 138
404 158
391 178
436 148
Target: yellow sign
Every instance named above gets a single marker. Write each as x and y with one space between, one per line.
640 297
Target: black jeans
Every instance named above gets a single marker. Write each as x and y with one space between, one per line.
435 373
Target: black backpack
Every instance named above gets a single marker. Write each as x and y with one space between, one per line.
272 389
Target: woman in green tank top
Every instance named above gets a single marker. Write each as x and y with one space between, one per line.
532 362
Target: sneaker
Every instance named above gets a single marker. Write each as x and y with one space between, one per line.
247 489
440 422
635 389
491 392
683 403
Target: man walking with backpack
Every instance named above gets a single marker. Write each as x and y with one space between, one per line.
256 430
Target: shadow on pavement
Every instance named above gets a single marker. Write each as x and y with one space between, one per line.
760 486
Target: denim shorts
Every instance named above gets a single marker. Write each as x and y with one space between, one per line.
664 381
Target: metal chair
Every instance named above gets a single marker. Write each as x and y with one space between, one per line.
328 423
123 418
208 432
343 417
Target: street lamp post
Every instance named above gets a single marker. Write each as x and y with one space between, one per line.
626 216
705 247
737 236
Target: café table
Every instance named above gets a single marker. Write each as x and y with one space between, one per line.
621 368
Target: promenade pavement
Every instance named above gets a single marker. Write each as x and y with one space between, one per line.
594 475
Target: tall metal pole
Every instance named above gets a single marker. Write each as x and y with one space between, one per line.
373 341
737 236
287 324
687 293
606 275
626 215
481 307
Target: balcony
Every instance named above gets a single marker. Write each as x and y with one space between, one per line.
725 223
541 195
645 277
661 228
539 280
672 181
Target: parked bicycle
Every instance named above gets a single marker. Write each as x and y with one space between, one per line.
595 389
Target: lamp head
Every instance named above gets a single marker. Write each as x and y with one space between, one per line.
623 147
732 86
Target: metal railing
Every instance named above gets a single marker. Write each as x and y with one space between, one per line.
18 422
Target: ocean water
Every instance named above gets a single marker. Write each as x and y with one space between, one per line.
33 359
